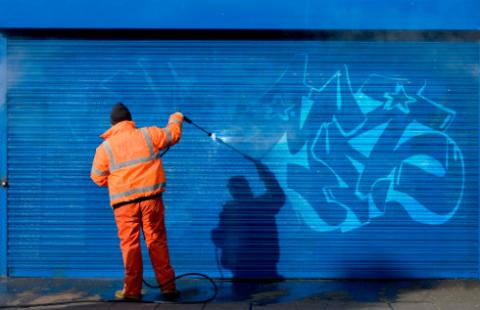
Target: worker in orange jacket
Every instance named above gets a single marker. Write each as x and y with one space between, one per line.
129 163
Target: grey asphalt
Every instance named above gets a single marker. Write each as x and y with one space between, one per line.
289 294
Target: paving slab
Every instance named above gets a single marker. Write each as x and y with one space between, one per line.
228 306
457 306
329 304
414 306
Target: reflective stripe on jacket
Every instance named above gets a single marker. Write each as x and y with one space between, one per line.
129 162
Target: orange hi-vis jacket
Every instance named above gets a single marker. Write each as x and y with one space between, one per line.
129 162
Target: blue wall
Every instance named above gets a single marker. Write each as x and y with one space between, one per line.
3 154
369 152
246 14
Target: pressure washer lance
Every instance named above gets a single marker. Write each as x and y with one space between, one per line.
217 139
200 128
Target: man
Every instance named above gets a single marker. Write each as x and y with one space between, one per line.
129 163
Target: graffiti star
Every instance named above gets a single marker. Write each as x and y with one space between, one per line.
279 108
399 99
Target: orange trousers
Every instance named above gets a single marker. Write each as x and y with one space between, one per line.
148 215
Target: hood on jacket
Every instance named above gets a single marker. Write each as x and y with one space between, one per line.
125 125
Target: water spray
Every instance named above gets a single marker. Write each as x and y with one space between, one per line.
214 137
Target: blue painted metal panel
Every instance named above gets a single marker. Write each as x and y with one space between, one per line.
246 14
479 171
366 155
3 154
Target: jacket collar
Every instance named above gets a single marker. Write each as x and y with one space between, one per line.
117 128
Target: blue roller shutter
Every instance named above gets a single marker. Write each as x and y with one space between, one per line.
368 155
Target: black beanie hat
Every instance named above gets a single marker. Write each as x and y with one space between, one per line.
120 113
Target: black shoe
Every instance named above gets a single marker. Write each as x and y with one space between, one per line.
171 295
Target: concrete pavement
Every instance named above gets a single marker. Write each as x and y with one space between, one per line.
290 294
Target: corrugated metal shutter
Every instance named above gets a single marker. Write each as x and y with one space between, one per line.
369 155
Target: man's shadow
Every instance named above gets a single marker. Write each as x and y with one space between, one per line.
247 232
